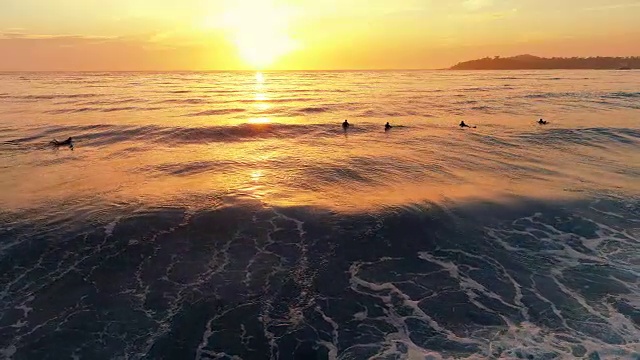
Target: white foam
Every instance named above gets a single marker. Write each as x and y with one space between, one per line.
334 325
108 229
611 247
200 351
8 352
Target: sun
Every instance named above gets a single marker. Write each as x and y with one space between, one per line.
259 30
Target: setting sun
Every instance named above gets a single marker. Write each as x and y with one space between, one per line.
259 30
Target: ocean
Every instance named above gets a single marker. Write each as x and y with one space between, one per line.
227 215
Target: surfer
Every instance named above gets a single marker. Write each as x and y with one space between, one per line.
387 126
68 142
463 125
345 125
542 122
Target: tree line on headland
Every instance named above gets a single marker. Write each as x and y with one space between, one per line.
530 62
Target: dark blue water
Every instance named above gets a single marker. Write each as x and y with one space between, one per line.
537 280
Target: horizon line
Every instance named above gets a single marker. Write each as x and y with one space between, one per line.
274 70
451 67
223 70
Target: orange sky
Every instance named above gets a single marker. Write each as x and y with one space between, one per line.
305 34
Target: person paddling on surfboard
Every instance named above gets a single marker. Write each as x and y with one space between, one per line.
542 122
68 142
463 125
345 125
387 126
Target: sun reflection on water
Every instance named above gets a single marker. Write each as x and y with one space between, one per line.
262 120
261 99
256 175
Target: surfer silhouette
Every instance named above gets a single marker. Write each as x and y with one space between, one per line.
463 125
387 126
345 125
68 142
542 122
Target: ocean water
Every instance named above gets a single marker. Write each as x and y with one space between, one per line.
229 216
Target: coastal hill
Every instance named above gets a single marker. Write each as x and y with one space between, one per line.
529 62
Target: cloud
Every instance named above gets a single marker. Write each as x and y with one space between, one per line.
160 40
503 14
475 5
489 15
10 34
613 7
23 51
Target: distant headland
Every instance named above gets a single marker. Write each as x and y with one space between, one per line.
530 62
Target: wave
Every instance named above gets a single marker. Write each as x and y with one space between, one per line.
220 91
238 133
378 113
314 110
622 95
104 110
183 101
473 89
108 102
276 100
214 112
553 95
580 95
356 171
292 111
99 135
592 137
190 168
56 96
